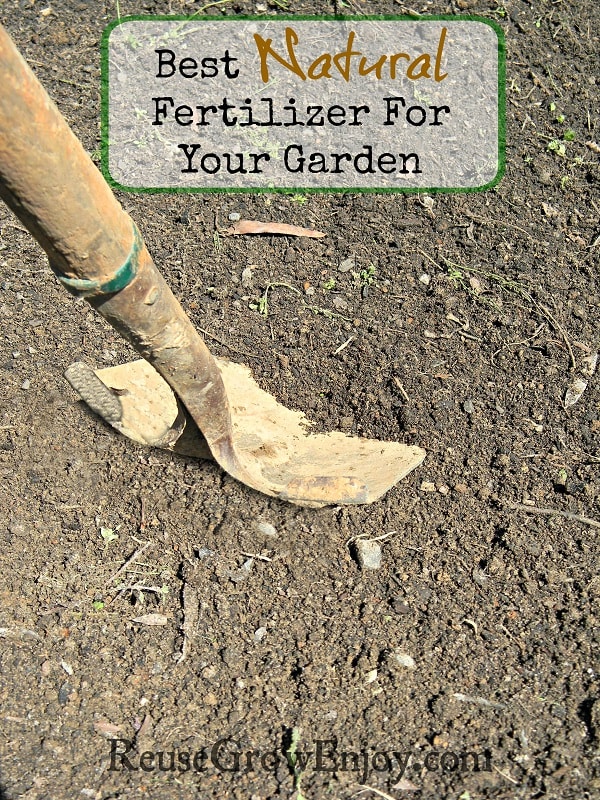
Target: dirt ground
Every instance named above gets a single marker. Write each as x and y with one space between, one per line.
478 634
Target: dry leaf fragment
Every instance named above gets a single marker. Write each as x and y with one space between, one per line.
145 728
576 388
245 226
427 202
151 619
593 146
247 278
588 364
105 728
347 264
340 303
475 285
549 210
406 786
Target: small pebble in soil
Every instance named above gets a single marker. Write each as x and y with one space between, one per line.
234 216
468 406
247 278
347 264
479 577
405 660
400 607
371 676
425 279
368 553
65 691
267 529
259 634
230 656
502 460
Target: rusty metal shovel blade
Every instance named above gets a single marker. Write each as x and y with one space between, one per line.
180 397
273 443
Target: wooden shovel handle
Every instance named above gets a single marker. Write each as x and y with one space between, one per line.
52 185
49 180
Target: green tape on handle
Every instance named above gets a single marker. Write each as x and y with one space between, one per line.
122 277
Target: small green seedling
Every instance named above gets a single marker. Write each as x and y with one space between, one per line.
558 147
299 199
109 535
329 284
292 760
455 275
367 276
569 135
98 605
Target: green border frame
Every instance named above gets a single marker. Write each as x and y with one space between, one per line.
306 18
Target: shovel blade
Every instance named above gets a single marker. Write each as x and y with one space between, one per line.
309 468
279 454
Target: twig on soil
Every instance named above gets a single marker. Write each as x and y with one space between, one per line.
189 598
142 527
344 346
256 555
263 303
377 792
366 536
472 624
211 5
138 587
400 388
127 563
60 80
554 512
228 346
505 776
594 243
12 225
515 344
517 288
122 568
478 701
560 328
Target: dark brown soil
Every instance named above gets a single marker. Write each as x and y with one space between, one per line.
496 605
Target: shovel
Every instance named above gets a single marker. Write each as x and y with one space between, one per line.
179 397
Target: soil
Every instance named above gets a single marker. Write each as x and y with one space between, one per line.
478 634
